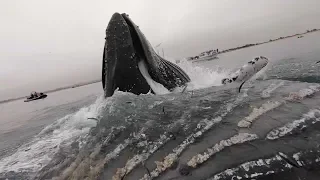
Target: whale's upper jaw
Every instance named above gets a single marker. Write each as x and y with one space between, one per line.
125 47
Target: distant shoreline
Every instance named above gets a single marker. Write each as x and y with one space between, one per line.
53 90
220 52
201 55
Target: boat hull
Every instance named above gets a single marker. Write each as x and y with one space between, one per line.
37 98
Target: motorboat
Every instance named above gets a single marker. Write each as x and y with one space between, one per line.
35 96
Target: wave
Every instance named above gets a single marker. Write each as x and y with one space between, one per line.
36 154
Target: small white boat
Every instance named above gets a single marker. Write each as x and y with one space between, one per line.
206 58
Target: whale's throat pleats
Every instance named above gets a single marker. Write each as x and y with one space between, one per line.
155 86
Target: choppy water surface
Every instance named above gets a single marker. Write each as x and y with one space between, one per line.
270 129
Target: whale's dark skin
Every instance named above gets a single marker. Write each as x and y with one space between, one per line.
125 47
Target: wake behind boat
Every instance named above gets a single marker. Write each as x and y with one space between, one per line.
35 96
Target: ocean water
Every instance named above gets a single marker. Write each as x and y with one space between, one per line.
21 121
209 131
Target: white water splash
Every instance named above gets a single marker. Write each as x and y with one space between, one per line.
36 154
202 77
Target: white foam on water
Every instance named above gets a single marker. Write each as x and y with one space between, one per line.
156 103
151 147
247 166
296 156
266 93
289 127
96 169
312 114
256 112
237 139
75 166
297 96
36 154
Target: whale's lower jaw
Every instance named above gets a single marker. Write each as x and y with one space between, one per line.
155 87
125 48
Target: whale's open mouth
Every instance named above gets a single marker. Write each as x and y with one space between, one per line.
126 51
143 60
122 53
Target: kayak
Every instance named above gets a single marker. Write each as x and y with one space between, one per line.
36 98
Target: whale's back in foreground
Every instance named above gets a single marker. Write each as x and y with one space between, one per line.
130 64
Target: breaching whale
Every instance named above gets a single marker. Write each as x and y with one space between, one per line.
217 135
130 63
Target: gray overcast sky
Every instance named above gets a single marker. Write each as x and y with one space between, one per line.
45 44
